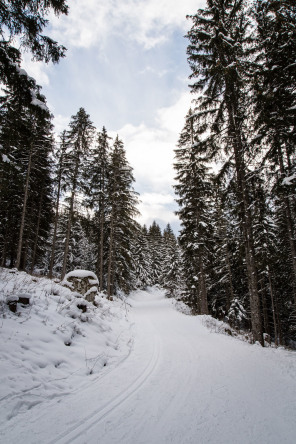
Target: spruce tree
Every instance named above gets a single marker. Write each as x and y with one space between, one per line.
26 19
121 225
26 144
156 248
194 198
58 182
275 106
141 257
171 269
78 141
97 178
219 60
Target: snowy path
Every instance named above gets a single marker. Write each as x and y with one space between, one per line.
180 384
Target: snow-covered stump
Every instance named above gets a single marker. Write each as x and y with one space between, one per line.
83 282
24 298
12 301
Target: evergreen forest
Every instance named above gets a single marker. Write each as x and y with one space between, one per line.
68 201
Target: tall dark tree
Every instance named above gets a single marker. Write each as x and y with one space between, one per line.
79 139
122 201
141 256
26 143
171 268
60 155
275 106
155 240
26 19
97 177
194 190
218 58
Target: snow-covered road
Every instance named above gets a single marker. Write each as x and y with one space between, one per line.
180 384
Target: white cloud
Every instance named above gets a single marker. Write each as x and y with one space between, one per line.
171 118
150 151
159 207
153 71
60 123
37 70
148 22
107 43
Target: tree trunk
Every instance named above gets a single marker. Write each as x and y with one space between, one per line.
69 225
202 288
246 220
101 248
4 252
110 278
26 194
276 338
289 224
230 284
37 233
68 232
55 221
265 308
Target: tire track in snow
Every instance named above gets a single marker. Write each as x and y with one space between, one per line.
86 423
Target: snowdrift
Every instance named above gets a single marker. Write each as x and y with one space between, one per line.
56 343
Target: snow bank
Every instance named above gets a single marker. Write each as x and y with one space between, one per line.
56 344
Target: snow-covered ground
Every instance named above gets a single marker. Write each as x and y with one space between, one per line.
50 348
171 380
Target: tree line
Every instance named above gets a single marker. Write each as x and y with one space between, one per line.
69 203
235 166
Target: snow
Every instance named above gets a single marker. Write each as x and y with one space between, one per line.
81 274
38 103
50 348
21 71
289 180
5 158
168 379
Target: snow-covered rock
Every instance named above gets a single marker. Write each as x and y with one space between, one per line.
83 282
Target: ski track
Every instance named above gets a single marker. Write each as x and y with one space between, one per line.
94 418
180 384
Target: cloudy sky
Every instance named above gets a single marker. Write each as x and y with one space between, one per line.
126 64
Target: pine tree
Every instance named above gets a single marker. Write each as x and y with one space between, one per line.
155 240
171 268
26 20
26 144
97 177
60 155
122 202
82 250
275 105
218 58
141 258
227 237
194 191
79 139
